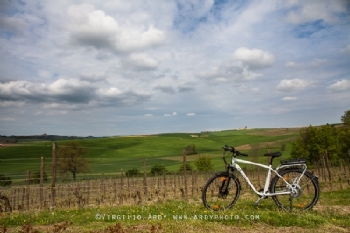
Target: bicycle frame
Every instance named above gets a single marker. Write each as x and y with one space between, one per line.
266 192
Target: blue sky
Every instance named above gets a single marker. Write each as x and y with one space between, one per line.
106 68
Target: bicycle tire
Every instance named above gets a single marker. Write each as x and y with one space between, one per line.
221 191
308 190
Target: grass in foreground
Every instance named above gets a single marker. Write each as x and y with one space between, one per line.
331 213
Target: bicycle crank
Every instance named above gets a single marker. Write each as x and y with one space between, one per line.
262 190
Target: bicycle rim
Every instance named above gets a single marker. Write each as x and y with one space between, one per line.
307 190
221 192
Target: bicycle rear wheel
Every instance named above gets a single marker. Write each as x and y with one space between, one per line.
307 190
221 191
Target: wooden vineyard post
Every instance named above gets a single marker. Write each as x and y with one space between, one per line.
41 196
88 192
349 160
174 186
145 190
53 180
327 167
121 186
192 189
27 194
102 193
185 178
164 185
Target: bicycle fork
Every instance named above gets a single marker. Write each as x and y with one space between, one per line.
223 191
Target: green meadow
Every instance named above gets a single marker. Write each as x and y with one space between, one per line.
331 214
109 155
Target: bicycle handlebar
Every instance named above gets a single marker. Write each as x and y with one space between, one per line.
233 150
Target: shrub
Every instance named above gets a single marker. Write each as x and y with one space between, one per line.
35 179
132 172
5 180
189 167
158 169
203 163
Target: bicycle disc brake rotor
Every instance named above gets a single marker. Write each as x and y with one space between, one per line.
296 191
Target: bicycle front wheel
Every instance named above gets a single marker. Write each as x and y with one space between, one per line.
221 191
306 191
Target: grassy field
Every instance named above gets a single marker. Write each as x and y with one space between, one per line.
108 155
331 214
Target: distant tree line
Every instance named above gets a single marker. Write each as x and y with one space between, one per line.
202 163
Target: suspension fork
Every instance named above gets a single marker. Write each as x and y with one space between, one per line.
224 186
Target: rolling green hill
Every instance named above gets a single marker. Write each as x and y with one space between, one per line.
110 154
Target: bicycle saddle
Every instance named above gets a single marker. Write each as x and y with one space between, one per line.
273 154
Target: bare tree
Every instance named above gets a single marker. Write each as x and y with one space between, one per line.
71 157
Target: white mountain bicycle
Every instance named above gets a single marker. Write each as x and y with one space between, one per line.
293 187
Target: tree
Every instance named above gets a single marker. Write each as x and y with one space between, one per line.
132 172
346 118
191 150
315 142
71 157
158 169
204 163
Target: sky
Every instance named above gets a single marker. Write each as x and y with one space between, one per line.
117 67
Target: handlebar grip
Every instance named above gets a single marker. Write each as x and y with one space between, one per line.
226 148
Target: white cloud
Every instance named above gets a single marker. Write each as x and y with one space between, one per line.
168 115
55 106
190 114
343 85
304 11
256 90
294 64
140 62
91 27
290 98
148 115
13 24
313 64
291 85
68 93
44 74
138 38
228 73
318 62
7 119
10 103
57 112
254 58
